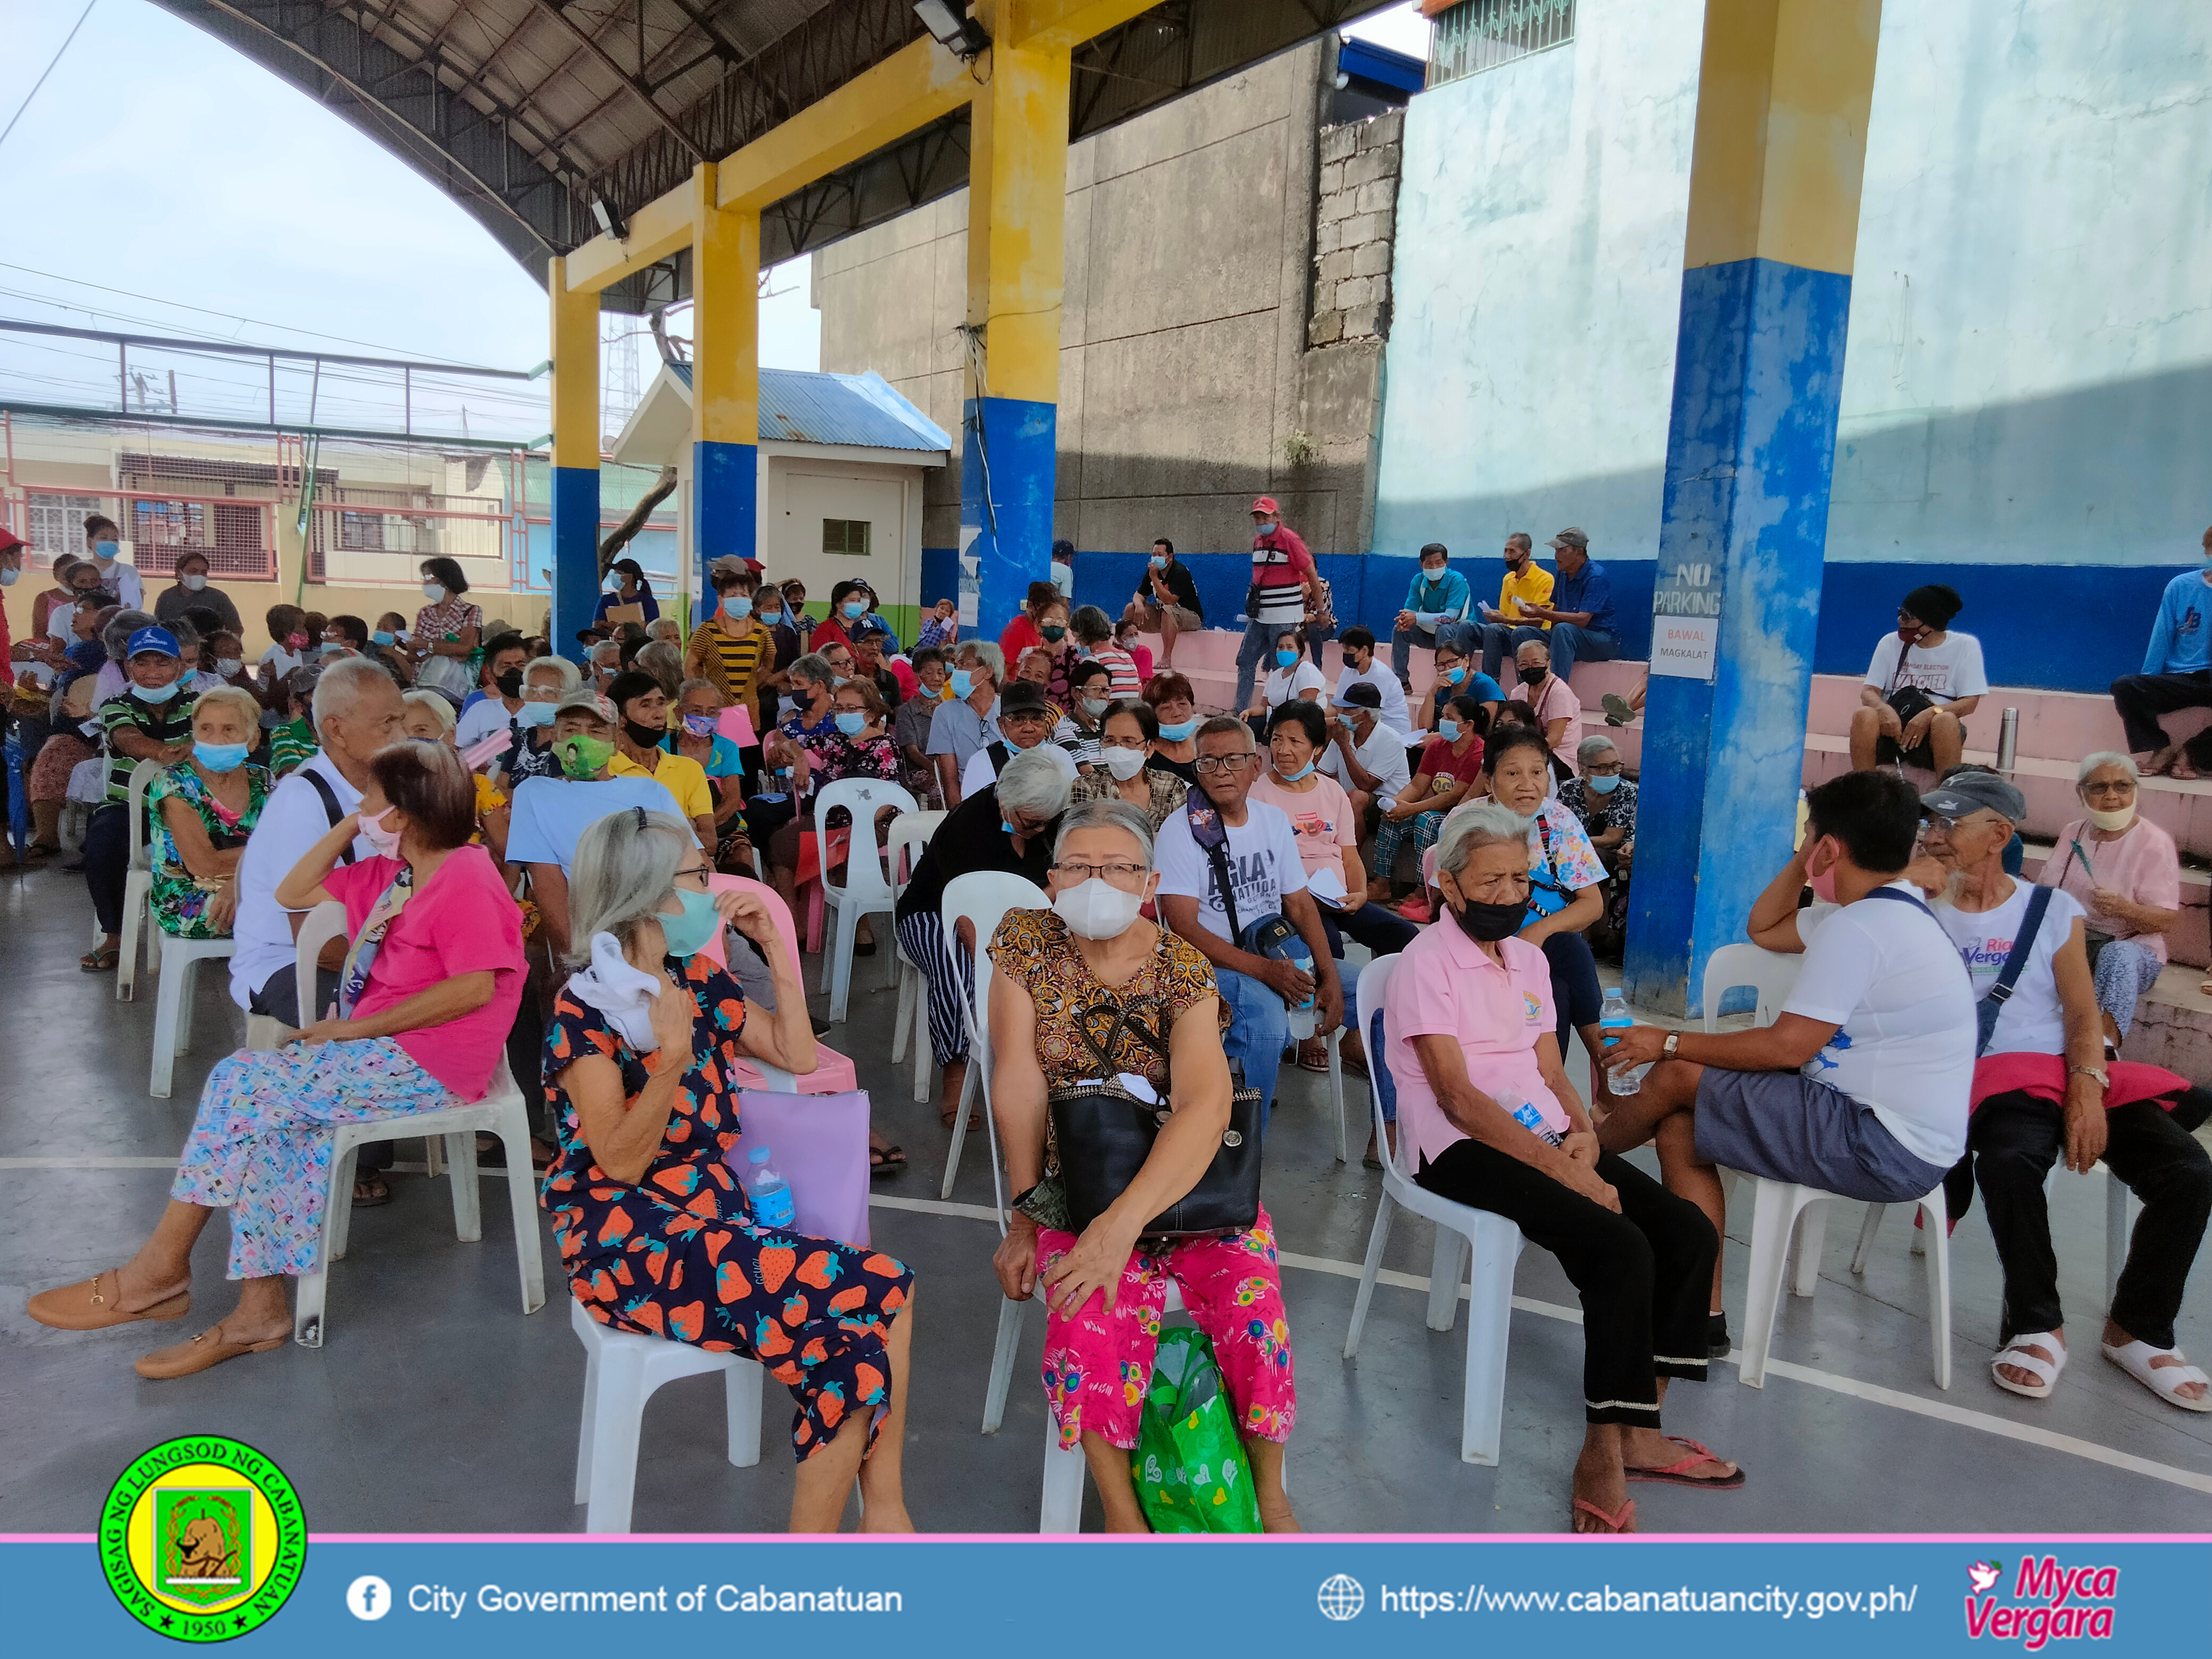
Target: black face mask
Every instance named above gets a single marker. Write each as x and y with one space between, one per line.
1533 676
509 683
645 736
1486 924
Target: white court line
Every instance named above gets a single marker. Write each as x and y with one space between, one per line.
1941 1411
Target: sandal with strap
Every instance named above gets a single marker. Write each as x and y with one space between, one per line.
1623 1522
2015 1354
1677 1474
2161 1379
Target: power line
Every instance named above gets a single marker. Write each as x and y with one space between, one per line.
49 70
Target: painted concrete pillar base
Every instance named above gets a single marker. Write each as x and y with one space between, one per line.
1006 473
725 506
575 554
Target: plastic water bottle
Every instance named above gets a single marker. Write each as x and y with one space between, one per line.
1614 1017
1301 1016
770 1193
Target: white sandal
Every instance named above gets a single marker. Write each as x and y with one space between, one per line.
2015 1354
2161 1379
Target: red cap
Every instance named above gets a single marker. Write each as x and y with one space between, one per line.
10 540
1266 504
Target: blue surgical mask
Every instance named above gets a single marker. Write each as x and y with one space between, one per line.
851 724
1448 730
686 935
1305 771
107 552
220 756
334 647
1432 576
531 715
1285 659
1455 677
1604 786
738 606
856 609
1176 730
379 639
1005 826
157 693
1159 564
964 683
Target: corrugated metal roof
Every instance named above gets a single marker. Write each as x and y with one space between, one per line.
863 410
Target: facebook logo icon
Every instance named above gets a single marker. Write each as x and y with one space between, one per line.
368 1597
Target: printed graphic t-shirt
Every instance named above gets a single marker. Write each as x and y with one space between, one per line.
1263 865
2031 1022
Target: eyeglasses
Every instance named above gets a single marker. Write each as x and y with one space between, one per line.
698 873
1123 875
1205 763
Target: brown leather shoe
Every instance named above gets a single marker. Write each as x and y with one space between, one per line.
208 1349
84 1306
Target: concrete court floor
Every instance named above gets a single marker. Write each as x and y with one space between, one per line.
436 1406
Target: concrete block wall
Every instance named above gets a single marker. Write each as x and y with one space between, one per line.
1355 222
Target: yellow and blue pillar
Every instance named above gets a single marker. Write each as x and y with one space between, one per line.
575 469
725 381
1017 207
1779 153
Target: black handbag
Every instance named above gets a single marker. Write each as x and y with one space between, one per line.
1105 1134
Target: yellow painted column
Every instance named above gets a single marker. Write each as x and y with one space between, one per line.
725 379
575 469
1784 89
1017 208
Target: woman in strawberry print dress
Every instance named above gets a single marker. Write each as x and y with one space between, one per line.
656 1233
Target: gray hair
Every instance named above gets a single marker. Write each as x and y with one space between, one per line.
1091 624
570 678
1474 827
1103 814
183 632
340 686
665 628
115 638
1591 748
2104 757
436 704
624 869
1033 783
664 662
689 686
986 653
814 668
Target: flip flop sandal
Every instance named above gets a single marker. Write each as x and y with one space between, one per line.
83 1307
375 1198
1312 1057
1617 711
1624 1521
2015 1354
2161 1379
1672 1475
101 961
886 1160
204 1352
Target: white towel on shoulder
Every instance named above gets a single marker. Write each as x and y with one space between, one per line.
623 993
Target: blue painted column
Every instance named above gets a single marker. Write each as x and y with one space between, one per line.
725 507
1007 481
1783 92
575 458
575 554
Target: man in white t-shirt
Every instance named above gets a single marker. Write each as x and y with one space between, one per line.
1266 877
1860 1087
1923 681
1364 755
1360 668
1025 721
2044 1088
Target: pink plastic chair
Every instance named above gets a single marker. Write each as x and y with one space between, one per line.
833 1074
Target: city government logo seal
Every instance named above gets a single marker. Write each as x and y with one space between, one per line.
202 1539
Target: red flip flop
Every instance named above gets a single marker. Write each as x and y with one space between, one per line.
1613 1524
1672 1475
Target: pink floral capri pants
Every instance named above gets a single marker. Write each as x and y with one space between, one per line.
1097 1365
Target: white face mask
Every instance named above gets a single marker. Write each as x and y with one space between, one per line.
193 584
2109 821
1123 763
227 667
433 591
1097 909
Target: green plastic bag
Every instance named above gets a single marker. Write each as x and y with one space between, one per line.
1189 1465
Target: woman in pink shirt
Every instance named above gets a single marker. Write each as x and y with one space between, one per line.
1487 1118
2127 874
426 999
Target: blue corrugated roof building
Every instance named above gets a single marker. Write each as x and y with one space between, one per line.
862 410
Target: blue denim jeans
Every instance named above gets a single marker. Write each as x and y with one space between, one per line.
1499 641
1259 1027
1461 636
1569 644
1258 648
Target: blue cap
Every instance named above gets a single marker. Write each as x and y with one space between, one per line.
758 1155
154 639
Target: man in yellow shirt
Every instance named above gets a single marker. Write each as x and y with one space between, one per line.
1525 581
642 713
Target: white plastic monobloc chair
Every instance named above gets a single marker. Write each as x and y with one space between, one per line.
982 899
1061 1510
173 999
500 1112
1772 974
866 892
904 845
1495 1243
138 892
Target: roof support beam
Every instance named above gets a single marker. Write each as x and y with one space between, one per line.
644 94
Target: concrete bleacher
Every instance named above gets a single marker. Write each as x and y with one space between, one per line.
2056 729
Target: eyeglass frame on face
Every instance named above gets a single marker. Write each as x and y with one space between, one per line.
1950 826
2124 785
703 870
1118 874
1207 765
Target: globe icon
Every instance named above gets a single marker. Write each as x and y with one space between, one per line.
1340 1597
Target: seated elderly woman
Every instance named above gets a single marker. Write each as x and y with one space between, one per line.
199 814
1092 965
1605 803
2125 873
1494 1123
1450 772
1007 826
659 1237
427 995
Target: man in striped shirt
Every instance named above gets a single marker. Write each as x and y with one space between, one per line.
1094 632
152 720
1286 583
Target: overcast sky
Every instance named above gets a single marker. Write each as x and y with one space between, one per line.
157 160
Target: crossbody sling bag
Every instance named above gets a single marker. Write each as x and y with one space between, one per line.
1992 1002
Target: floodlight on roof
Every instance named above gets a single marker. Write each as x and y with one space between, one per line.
962 36
609 223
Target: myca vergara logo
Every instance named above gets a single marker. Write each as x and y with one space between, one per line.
203 1539
2048 1603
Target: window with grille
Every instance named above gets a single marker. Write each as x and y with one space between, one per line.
845 536
58 523
1481 35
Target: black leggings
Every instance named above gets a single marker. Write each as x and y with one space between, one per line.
1644 1274
107 863
1574 983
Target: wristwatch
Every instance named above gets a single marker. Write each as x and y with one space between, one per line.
2104 1078
1668 1047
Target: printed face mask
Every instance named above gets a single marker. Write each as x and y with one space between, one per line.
583 756
700 725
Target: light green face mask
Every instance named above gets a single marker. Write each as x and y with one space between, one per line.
582 755
686 935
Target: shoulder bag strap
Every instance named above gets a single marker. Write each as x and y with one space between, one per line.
1992 1004
1905 898
332 810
